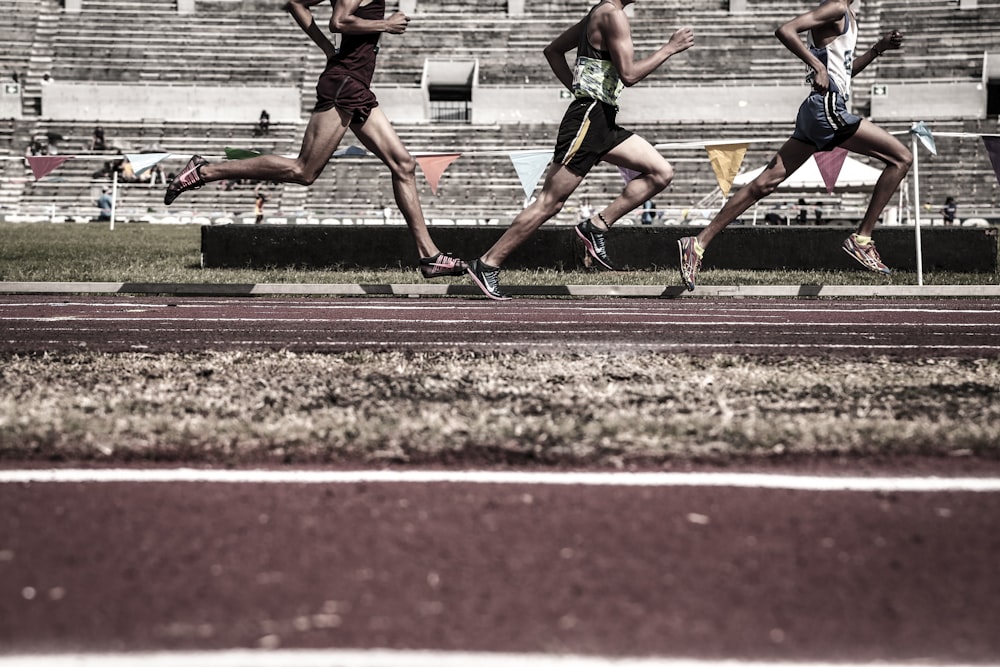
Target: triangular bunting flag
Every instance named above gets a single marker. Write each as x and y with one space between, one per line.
434 166
628 174
926 136
350 150
830 163
143 161
726 160
530 165
44 165
239 153
992 145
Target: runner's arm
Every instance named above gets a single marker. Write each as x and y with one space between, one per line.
345 22
557 49
299 9
890 41
616 38
828 13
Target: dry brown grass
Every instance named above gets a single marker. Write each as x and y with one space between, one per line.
369 408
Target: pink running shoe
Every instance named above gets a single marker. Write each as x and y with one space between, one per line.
866 254
189 179
442 264
690 261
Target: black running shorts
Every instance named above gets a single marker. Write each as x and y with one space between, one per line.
336 89
587 132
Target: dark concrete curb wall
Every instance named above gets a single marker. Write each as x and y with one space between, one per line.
314 246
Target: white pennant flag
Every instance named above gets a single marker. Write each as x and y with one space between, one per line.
530 165
143 161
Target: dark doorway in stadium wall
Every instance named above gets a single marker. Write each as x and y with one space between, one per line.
991 77
993 99
449 89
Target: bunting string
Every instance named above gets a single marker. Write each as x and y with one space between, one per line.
725 155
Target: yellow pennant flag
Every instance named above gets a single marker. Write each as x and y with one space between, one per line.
726 160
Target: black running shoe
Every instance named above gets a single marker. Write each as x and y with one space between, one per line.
593 238
487 278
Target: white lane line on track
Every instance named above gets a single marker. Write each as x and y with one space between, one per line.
481 322
388 658
586 308
722 346
620 479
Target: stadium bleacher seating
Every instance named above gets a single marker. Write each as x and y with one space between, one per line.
249 42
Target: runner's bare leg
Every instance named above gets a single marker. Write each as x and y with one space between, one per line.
378 135
322 136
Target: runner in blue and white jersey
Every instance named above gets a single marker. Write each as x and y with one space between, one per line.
824 122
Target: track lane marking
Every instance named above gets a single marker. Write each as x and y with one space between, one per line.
622 479
389 658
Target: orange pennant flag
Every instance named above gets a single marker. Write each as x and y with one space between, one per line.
726 160
434 166
41 166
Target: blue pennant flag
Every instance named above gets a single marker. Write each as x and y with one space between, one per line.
926 136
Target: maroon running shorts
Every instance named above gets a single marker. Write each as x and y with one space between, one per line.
336 89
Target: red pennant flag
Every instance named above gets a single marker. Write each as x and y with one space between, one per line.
41 166
992 145
830 163
434 166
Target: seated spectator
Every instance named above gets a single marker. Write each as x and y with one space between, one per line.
949 211
156 175
104 204
34 148
126 172
648 212
263 124
105 171
97 142
803 216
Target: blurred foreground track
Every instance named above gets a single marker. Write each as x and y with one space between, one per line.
711 573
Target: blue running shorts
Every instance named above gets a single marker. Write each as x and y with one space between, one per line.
824 121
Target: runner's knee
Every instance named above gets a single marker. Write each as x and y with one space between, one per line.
903 160
303 174
761 188
661 177
404 166
549 206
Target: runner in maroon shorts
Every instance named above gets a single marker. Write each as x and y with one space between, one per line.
344 101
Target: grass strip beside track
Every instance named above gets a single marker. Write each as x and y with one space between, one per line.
609 410
142 253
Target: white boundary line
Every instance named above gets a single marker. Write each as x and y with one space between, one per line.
622 479
387 658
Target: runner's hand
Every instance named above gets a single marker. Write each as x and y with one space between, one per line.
682 40
890 41
821 81
397 23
